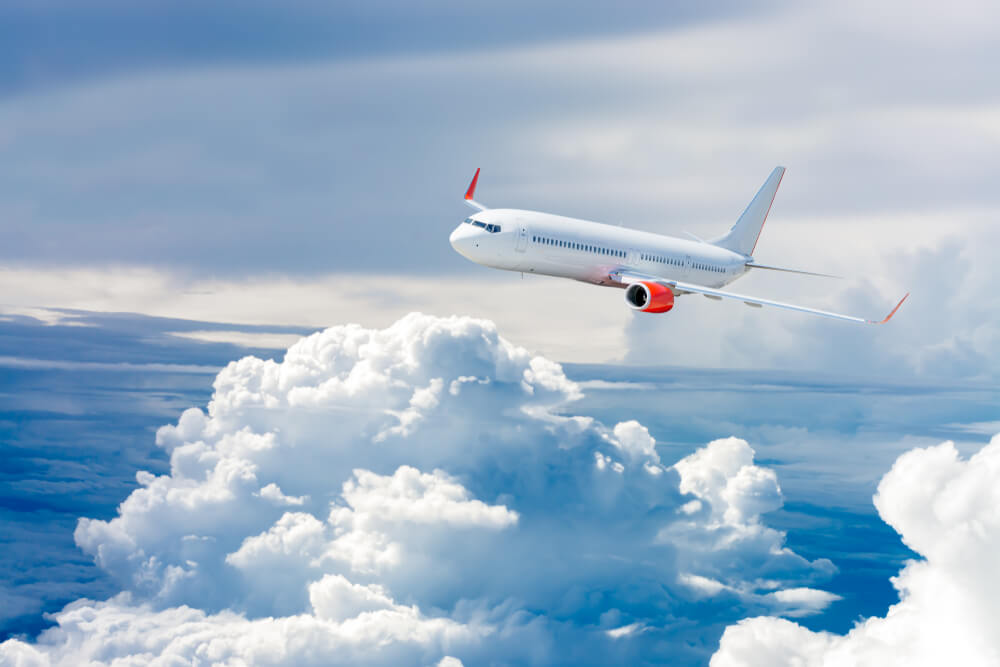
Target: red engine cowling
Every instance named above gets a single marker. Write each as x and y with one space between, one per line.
649 297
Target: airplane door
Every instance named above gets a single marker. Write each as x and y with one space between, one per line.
522 237
687 265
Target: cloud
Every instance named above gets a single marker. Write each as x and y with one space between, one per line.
124 366
940 332
316 302
79 42
242 338
651 129
427 488
378 632
944 508
884 141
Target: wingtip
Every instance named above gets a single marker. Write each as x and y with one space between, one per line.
889 316
471 192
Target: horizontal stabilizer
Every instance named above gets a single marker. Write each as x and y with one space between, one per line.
755 265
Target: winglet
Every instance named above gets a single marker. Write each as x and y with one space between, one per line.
889 316
471 192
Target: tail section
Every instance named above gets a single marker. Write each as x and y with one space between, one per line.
742 238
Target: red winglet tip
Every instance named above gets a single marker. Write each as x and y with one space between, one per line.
472 186
889 316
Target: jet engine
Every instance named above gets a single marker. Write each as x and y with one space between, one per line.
649 297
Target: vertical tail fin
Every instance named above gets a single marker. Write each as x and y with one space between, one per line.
742 238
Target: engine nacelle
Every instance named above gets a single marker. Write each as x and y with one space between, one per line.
649 297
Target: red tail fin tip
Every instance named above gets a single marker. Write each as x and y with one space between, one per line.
470 193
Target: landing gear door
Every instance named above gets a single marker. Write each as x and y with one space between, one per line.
522 237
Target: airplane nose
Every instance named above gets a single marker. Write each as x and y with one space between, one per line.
463 239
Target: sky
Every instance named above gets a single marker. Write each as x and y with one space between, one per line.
190 189
276 165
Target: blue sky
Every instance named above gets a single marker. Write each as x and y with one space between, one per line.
187 184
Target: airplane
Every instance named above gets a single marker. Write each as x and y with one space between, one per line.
653 269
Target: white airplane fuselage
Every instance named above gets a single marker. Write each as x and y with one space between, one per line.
652 268
553 245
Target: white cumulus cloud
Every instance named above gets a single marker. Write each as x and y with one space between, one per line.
944 508
422 494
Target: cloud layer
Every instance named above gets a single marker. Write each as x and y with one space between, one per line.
424 489
945 508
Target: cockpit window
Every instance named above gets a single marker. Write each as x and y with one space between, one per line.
491 228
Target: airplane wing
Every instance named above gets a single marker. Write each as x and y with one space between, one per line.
629 277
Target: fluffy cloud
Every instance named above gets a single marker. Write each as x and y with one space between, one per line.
424 490
378 631
944 508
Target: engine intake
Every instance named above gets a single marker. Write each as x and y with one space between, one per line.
649 297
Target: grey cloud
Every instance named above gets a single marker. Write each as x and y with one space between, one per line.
946 328
358 165
55 42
